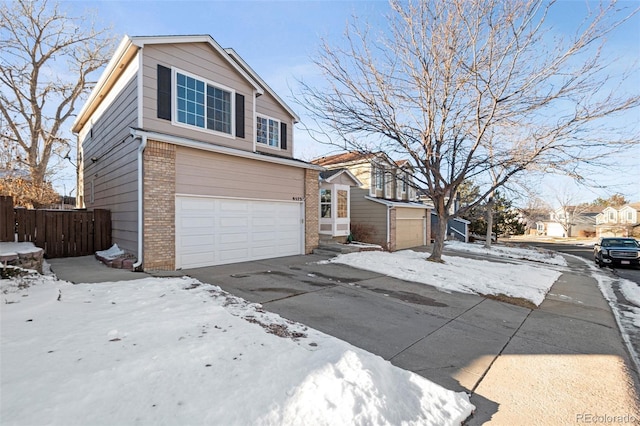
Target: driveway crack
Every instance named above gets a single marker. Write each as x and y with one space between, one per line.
429 334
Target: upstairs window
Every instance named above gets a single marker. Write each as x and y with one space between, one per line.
268 132
379 177
201 104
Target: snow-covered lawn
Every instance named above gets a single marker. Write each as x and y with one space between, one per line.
510 252
531 282
175 351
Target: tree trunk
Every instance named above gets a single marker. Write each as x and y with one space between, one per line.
441 231
490 204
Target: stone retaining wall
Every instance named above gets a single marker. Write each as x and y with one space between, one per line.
31 259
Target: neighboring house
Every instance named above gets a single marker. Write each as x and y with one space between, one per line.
569 221
193 154
619 221
457 227
335 208
384 204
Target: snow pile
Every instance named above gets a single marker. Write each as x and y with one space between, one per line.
16 248
533 253
111 253
458 274
176 351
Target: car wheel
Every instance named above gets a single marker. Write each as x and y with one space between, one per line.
599 262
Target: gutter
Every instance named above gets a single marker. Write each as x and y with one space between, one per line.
141 147
205 146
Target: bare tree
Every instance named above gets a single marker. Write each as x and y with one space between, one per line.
569 211
46 60
465 87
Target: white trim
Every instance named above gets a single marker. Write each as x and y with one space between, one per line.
409 204
140 41
126 76
140 92
255 120
205 146
341 172
266 145
184 194
118 55
234 55
207 82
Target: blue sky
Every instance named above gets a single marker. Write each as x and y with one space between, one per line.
277 39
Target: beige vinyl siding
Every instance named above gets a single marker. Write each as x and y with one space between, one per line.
267 106
363 173
114 174
410 225
219 175
370 214
199 59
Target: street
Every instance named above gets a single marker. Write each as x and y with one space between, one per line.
628 309
586 252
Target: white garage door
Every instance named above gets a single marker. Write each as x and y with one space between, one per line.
217 231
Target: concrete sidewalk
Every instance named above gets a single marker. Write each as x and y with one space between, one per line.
88 269
563 363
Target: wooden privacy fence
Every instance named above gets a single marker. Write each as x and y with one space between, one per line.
60 233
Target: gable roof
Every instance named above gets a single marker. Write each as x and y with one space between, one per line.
634 206
330 175
234 55
342 158
129 47
354 157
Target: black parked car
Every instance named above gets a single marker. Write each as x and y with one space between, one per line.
612 251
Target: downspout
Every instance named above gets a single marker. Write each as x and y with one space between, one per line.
388 228
141 147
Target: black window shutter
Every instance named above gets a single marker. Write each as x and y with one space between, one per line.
164 92
283 135
239 115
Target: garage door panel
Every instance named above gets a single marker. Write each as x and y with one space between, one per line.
211 231
409 233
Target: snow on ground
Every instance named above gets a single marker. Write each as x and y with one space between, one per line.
168 351
627 316
13 248
532 253
531 282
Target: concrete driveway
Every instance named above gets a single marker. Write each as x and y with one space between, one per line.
558 364
562 363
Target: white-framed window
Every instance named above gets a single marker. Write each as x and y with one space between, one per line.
629 216
379 176
268 131
325 203
612 216
203 104
342 203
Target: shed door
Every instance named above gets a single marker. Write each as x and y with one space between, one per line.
216 231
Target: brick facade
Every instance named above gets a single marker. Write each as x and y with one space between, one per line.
312 210
159 206
392 230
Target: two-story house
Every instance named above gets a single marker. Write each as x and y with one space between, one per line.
570 221
193 154
384 201
619 221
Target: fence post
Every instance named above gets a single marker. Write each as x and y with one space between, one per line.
7 219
